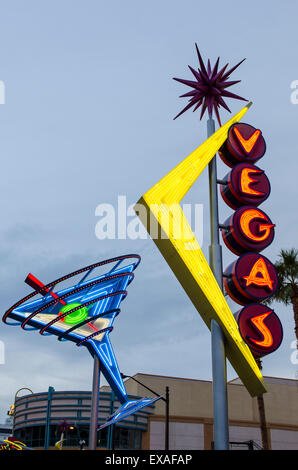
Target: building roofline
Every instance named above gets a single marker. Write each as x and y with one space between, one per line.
170 377
231 382
265 377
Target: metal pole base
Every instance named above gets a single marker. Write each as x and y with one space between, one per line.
94 405
220 399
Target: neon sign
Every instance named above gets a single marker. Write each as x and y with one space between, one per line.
84 314
11 444
244 144
246 181
252 277
160 206
245 184
76 316
247 144
261 328
248 229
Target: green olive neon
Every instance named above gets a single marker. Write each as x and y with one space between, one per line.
74 317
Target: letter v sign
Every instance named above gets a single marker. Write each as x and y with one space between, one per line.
247 144
190 265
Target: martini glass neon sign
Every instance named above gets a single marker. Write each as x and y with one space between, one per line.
84 314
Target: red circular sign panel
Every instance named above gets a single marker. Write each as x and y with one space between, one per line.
251 278
248 229
260 328
244 143
245 184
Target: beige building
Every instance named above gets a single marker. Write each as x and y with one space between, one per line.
191 413
38 416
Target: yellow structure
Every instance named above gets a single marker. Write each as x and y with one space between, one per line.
160 212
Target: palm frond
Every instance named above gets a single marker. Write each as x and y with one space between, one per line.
287 270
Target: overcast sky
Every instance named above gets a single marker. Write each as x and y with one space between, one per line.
88 116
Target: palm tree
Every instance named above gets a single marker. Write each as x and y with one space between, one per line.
263 422
287 292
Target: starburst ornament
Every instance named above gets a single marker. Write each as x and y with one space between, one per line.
210 88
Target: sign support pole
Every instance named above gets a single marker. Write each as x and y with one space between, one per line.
220 401
48 418
94 405
110 437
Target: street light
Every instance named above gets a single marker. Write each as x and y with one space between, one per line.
14 406
166 399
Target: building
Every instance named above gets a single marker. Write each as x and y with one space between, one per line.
5 429
191 423
38 416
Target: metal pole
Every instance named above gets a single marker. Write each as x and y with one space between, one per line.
14 409
110 436
167 419
166 399
14 415
112 427
263 423
48 418
220 401
94 405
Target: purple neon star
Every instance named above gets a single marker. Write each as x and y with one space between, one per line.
210 88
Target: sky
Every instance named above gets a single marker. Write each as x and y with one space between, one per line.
88 116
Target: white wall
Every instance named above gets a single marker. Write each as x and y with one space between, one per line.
284 439
188 436
244 433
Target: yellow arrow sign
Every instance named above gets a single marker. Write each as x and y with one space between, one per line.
162 216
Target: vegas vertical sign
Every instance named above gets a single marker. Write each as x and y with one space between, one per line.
160 206
252 278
